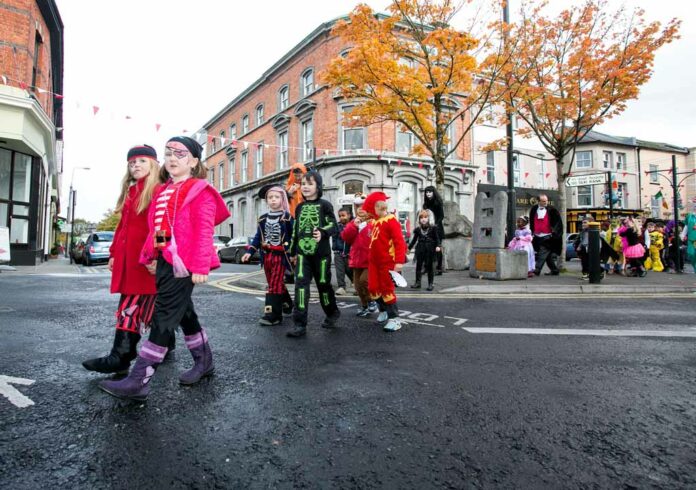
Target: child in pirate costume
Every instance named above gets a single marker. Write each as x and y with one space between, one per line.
272 240
315 224
387 253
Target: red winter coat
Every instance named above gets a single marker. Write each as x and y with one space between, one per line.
128 275
194 226
359 241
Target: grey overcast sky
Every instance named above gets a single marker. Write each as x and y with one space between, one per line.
176 63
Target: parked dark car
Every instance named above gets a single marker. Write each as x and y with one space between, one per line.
235 249
78 249
570 248
97 247
219 241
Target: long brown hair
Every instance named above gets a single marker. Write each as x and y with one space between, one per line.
151 182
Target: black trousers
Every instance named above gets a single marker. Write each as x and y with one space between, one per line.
545 254
173 306
317 267
425 256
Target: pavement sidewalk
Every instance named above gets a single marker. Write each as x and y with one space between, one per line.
567 283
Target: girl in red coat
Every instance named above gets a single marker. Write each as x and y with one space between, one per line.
179 251
129 278
357 235
387 253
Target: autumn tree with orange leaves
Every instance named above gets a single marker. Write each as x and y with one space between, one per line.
413 68
574 70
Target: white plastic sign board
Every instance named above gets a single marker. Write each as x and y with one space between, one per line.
4 244
590 179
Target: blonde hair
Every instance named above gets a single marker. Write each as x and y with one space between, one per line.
151 181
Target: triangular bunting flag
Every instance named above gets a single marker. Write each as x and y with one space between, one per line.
58 96
95 109
546 176
157 126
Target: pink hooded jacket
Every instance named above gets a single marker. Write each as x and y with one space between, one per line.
194 226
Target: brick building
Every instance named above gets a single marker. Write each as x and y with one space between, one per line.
289 116
31 65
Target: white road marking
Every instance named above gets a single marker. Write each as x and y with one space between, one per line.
458 321
581 331
13 394
405 320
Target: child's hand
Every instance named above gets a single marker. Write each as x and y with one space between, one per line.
111 264
152 267
246 257
199 278
357 221
398 267
437 249
293 188
316 234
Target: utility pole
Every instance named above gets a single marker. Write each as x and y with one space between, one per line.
71 209
677 238
611 196
512 195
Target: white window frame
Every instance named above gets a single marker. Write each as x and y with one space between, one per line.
490 167
283 156
516 165
245 166
245 124
307 82
283 98
232 168
654 179
344 110
607 160
259 160
585 194
620 161
622 188
233 132
307 144
221 175
403 134
586 163
259 115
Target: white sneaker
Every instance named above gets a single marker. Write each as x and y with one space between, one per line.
340 291
392 325
372 306
382 317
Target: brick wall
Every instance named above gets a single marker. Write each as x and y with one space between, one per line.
20 21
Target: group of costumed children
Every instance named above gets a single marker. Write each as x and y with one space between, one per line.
297 238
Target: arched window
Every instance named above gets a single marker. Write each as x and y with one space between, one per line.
307 82
259 115
245 124
283 98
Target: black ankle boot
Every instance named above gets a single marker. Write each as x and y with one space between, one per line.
287 303
119 359
273 311
299 330
416 285
429 288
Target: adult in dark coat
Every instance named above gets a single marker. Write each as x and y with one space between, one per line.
433 202
547 227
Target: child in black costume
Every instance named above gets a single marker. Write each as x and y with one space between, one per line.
272 240
426 239
433 202
315 224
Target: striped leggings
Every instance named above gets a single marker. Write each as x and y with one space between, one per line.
134 312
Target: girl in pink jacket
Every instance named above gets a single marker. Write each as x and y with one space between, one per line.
180 252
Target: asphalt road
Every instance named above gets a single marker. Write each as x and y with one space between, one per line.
430 406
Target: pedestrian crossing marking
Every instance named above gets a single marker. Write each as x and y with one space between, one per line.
583 332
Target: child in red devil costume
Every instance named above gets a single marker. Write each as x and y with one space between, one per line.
387 253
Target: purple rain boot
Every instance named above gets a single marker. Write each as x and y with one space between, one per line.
137 385
202 358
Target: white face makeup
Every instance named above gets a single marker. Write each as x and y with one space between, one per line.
139 167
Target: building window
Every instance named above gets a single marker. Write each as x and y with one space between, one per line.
232 170
222 138
233 131
653 174
542 171
451 138
221 176
242 218
490 167
621 195
449 193
37 55
516 169
307 83
211 140
283 149
583 159
283 98
620 161
15 194
211 176
245 166
607 159
307 133
259 160
245 124
259 115
352 187
655 205
585 196
352 138
404 140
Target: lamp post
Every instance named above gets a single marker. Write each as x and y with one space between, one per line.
512 197
71 208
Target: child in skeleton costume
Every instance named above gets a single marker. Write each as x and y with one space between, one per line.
315 224
272 240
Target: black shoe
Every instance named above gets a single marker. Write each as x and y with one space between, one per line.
120 357
429 288
297 331
552 273
438 273
330 321
536 273
416 285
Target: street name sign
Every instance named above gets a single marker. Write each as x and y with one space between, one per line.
589 179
